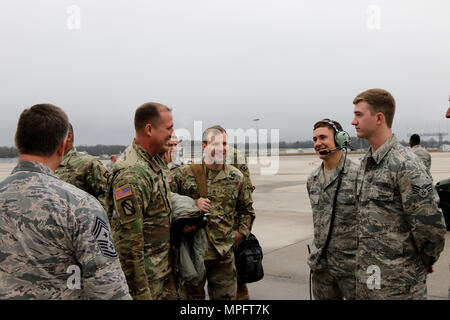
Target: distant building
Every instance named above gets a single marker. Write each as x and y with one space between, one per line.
445 148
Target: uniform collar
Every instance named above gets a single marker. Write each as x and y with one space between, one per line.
155 162
67 156
383 150
33 166
225 173
341 166
338 168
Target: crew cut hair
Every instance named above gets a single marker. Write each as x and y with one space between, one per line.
41 129
212 130
379 100
325 123
415 139
149 112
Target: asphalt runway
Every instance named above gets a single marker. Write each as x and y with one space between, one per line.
284 227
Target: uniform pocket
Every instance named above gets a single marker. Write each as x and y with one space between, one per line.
346 199
381 191
314 198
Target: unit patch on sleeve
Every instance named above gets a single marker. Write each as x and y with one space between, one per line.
128 207
126 203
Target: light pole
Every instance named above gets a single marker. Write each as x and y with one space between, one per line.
257 137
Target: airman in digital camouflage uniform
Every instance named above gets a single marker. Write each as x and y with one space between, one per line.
420 152
227 197
82 170
333 270
139 206
401 229
55 240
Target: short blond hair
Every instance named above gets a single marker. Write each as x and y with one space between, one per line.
214 130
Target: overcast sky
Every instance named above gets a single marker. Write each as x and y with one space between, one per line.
286 62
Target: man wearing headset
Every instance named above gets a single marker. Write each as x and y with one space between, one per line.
332 192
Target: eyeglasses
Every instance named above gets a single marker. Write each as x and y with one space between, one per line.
172 144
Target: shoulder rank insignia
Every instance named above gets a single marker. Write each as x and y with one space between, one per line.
422 191
103 237
123 192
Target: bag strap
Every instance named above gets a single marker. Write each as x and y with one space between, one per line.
200 177
333 214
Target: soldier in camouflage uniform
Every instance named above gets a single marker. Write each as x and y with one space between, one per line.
170 157
139 206
401 229
82 170
55 240
333 270
228 196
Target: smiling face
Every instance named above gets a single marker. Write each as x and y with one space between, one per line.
161 133
323 138
215 148
364 121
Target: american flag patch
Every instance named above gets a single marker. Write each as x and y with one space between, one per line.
123 192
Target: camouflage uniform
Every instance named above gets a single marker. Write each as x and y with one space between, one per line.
401 229
334 272
229 197
423 155
174 164
240 162
139 208
48 227
84 172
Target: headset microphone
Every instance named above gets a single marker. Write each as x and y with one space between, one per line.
325 152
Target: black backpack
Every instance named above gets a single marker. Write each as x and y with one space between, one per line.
248 257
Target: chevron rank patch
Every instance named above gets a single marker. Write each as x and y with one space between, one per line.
103 237
123 192
422 191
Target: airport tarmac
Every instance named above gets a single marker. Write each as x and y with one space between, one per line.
284 227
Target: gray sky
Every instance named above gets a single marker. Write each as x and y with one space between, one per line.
287 62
